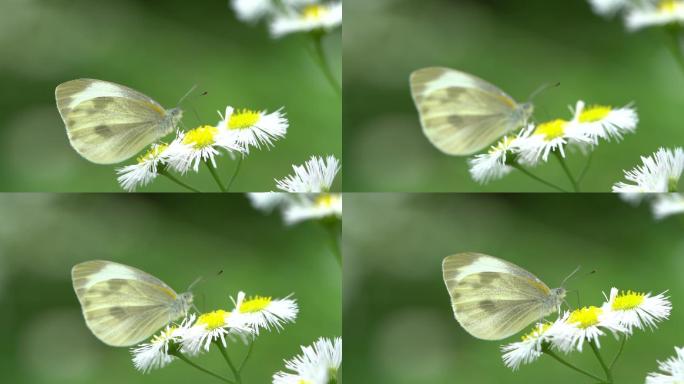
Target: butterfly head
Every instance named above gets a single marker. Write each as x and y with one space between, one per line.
184 303
173 117
526 110
557 297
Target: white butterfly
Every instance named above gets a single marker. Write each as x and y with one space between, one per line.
107 123
462 114
492 298
123 305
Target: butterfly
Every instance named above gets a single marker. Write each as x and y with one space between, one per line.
462 114
122 305
108 123
492 298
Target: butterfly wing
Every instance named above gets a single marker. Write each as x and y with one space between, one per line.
461 114
106 122
122 305
492 298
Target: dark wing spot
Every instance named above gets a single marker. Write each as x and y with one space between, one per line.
104 130
487 306
115 285
117 312
101 102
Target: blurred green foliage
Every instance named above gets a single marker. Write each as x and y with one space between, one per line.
517 46
174 237
398 323
162 50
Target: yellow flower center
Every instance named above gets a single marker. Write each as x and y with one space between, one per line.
201 137
302 381
551 130
326 200
594 113
245 118
314 12
501 145
585 317
213 320
536 332
152 153
628 300
166 334
669 6
255 304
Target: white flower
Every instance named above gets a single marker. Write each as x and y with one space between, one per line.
324 16
667 204
313 207
603 122
252 128
142 173
530 348
316 175
492 165
608 7
655 13
253 10
265 312
203 143
637 310
155 354
585 324
318 364
549 137
672 370
268 201
659 173
214 326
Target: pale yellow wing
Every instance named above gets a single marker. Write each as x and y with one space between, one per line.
461 114
492 298
106 122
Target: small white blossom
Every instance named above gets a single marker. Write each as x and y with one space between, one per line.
530 347
203 143
211 327
655 13
316 175
603 122
637 310
265 312
145 170
312 17
667 204
155 353
248 128
585 324
318 364
671 370
659 173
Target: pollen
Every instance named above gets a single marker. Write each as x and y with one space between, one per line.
326 200
536 332
201 137
552 129
314 12
152 153
243 119
669 6
628 300
594 113
502 145
255 304
213 320
165 335
585 317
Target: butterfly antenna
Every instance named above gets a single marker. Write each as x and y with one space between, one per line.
192 89
571 275
543 88
197 281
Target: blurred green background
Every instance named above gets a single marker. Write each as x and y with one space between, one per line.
161 49
398 323
517 46
176 238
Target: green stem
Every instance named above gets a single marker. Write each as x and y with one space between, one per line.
619 352
247 356
166 173
609 374
552 354
208 372
674 45
586 167
322 61
215 176
539 179
564 165
333 230
236 373
235 173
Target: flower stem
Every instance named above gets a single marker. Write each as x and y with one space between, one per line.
247 356
539 179
333 229
564 165
619 352
235 173
552 354
586 167
171 177
609 374
208 372
236 373
215 176
322 61
674 45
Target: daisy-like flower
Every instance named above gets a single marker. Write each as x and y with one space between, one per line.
637 310
145 170
268 201
252 11
318 364
659 173
492 165
585 324
252 128
312 17
213 326
608 7
604 122
313 207
529 348
671 370
155 353
655 13
316 175
264 312
203 143
548 137
667 204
